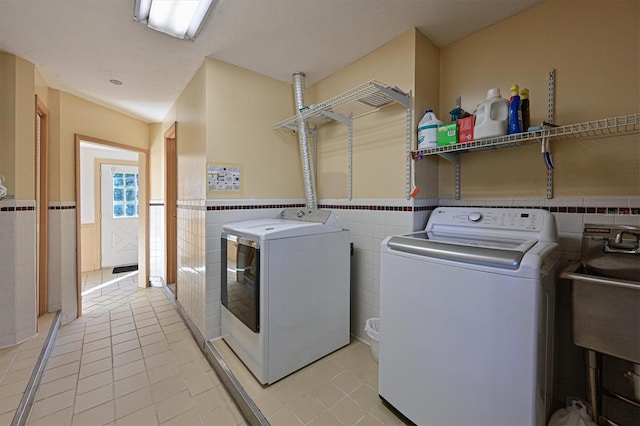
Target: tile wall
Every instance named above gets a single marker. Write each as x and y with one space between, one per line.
191 260
17 269
157 256
62 259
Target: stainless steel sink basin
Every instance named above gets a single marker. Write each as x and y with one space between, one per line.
618 266
606 310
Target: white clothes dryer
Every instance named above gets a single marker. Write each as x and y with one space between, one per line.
285 290
467 316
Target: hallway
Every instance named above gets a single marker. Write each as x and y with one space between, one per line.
129 360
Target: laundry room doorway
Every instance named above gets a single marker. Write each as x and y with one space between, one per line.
112 214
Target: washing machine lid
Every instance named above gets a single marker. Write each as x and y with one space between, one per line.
271 229
503 253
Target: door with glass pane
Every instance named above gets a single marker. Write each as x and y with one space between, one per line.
119 215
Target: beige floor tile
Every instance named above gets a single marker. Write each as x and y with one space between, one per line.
169 320
152 329
125 346
155 348
15 388
133 402
7 418
64 359
124 337
324 419
122 321
97 328
213 398
129 326
144 315
369 420
94 382
130 384
189 418
99 415
53 404
95 367
178 336
168 387
96 355
93 398
63 348
17 376
57 386
9 403
61 371
95 345
127 357
152 338
365 396
159 359
307 407
163 372
284 417
346 381
97 335
145 417
146 322
200 383
175 328
173 406
385 416
61 417
347 411
129 369
328 394
223 416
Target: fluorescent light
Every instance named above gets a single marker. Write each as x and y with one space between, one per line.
178 18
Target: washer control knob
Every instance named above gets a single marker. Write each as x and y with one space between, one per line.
475 217
300 213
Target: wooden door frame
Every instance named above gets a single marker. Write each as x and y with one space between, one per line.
143 164
43 235
171 195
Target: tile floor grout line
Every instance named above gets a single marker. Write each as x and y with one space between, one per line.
231 384
26 403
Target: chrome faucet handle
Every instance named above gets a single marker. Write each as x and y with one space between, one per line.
621 234
617 246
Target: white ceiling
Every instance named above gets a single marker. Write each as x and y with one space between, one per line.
79 45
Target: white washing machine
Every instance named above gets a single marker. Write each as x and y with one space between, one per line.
466 318
285 290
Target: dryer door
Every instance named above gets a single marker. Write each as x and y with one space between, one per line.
241 279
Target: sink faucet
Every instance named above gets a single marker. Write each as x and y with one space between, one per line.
621 234
617 246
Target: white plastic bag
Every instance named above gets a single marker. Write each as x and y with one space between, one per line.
576 414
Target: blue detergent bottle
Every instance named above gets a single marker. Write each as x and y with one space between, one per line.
515 112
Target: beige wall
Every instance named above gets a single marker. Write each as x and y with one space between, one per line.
242 107
156 161
7 120
379 139
17 110
71 115
191 136
594 47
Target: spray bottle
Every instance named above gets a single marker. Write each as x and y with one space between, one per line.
515 113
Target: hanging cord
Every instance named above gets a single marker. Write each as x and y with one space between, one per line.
3 189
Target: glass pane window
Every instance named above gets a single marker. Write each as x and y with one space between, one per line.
125 195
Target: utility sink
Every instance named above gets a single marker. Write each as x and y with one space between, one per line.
606 313
606 292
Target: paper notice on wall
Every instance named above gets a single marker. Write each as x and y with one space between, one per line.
223 178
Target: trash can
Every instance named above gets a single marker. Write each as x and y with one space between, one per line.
372 327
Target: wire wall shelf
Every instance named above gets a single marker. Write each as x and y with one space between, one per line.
347 106
606 127
359 101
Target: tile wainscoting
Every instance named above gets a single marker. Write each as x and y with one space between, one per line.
18 271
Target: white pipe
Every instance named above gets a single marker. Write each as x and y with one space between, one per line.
303 136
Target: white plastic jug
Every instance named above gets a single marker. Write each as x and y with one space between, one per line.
428 130
492 116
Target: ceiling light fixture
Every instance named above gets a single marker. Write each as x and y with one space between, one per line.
179 18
